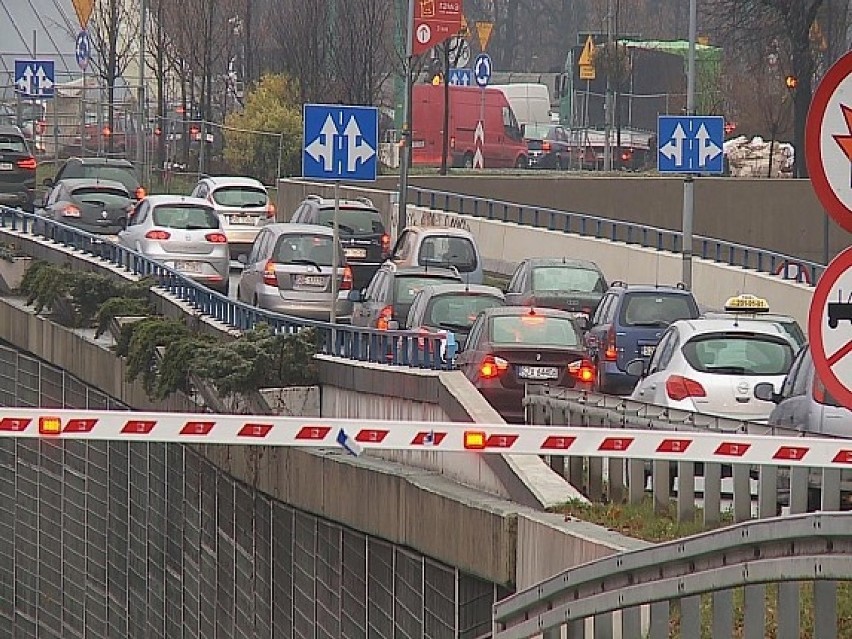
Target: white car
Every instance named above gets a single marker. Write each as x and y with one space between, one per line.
242 203
712 365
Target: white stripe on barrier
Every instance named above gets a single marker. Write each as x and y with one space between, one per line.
202 428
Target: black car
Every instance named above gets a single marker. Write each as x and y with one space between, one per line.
570 285
101 169
362 232
96 206
388 297
549 146
17 169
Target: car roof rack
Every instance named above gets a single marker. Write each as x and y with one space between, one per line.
618 284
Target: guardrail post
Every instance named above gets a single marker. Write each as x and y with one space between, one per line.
799 480
660 620
603 626
788 610
661 486
690 616
754 612
596 479
631 622
556 633
825 610
616 480
685 492
723 613
636 480
712 494
830 498
767 492
742 493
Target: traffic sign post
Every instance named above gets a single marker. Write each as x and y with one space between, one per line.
340 143
482 75
690 144
34 78
828 142
830 328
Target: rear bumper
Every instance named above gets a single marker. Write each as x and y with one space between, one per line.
320 310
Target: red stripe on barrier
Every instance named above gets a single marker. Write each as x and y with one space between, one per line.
371 435
313 432
674 445
501 441
197 428
732 449
843 457
14 424
428 438
555 442
793 453
79 425
255 430
138 427
616 443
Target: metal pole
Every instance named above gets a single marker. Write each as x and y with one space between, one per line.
280 153
825 247
689 182
140 134
405 139
608 97
334 256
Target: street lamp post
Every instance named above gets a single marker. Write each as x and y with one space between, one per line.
405 138
140 133
689 182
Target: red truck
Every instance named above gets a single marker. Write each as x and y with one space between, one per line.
502 144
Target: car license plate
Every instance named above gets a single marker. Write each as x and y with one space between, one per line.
310 280
538 372
355 252
242 220
648 351
5 166
188 267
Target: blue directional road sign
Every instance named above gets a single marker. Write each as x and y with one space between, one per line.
34 78
340 142
461 77
690 144
82 50
482 69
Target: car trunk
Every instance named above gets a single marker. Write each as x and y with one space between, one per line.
11 174
529 364
638 342
188 243
572 301
305 283
102 209
734 396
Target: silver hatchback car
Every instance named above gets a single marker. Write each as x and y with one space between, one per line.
288 270
183 233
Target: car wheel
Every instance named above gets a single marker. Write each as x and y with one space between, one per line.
521 162
467 162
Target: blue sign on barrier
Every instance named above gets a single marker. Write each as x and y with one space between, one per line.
340 142
690 144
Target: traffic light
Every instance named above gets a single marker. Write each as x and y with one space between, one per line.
791 81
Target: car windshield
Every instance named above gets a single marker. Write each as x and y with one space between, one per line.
407 286
102 196
354 221
301 248
12 143
536 131
115 173
240 196
656 309
458 310
186 217
448 250
538 330
566 278
739 354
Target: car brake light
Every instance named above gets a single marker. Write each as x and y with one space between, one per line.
140 193
611 351
269 276
346 284
29 164
158 235
385 316
492 367
70 211
385 244
679 387
270 211
583 370
545 146
216 238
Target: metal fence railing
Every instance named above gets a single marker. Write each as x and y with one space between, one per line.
392 348
116 539
708 248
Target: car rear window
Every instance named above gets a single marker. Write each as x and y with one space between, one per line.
115 173
448 250
354 221
240 196
458 310
186 217
13 143
293 247
656 309
739 354
567 278
406 287
102 196
538 330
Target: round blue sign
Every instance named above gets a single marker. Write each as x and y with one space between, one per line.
482 69
82 50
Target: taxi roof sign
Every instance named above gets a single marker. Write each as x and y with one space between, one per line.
746 304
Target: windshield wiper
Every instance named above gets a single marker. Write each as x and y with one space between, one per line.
730 370
454 326
300 260
660 323
251 205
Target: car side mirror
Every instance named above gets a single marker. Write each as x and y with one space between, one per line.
355 296
242 259
48 182
766 392
636 367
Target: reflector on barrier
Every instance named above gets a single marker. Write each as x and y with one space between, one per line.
49 425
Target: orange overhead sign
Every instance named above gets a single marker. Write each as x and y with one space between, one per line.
84 10
483 32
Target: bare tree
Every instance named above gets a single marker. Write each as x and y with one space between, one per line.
304 46
362 55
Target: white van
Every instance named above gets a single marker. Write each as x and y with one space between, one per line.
530 102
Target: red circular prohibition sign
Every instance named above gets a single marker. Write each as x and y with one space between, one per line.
819 305
813 154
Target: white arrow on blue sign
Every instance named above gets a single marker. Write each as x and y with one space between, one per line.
460 77
34 78
690 144
340 142
482 69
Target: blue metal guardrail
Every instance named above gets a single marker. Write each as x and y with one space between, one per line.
393 348
721 251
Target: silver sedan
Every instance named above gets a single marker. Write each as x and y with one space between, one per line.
183 233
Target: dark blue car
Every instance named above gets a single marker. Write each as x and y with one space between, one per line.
628 323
